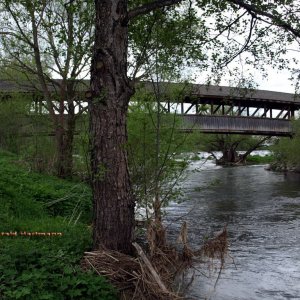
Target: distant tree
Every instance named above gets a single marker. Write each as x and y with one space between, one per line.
229 145
46 40
286 150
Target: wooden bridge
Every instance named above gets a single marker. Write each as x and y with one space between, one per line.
221 109
211 109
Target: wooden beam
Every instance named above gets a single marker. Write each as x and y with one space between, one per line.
230 109
163 108
216 109
287 115
257 109
189 109
292 113
241 110
280 113
265 112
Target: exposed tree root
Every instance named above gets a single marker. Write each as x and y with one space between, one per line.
151 276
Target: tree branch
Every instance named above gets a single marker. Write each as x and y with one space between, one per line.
146 8
244 47
254 11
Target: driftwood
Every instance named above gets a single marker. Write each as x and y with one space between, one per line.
150 267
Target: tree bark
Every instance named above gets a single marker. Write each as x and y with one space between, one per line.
65 123
64 145
113 203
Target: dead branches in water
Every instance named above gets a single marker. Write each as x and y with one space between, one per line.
215 247
152 276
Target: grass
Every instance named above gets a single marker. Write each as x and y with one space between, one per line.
45 267
256 159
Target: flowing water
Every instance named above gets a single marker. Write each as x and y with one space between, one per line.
262 209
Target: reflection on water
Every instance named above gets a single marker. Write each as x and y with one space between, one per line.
262 209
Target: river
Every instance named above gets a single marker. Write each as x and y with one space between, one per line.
262 209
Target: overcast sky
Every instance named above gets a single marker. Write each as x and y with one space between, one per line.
277 81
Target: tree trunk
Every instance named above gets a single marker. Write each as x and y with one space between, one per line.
65 130
242 158
229 155
64 144
113 204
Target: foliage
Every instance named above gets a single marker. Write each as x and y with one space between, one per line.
165 50
286 150
44 41
44 267
218 142
151 167
47 268
59 34
12 121
24 133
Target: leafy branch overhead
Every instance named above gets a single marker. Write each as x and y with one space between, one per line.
284 14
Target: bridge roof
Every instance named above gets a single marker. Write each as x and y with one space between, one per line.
193 91
242 93
208 94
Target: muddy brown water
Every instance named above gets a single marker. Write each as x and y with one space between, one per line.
262 209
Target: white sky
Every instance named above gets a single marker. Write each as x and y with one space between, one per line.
277 81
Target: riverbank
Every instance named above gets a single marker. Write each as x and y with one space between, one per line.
43 234
283 167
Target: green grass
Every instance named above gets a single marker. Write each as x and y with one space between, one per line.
45 267
26 193
256 159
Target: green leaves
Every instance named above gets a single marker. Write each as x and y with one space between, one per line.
153 149
286 150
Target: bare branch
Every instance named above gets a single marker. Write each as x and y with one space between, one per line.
8 33
244 47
